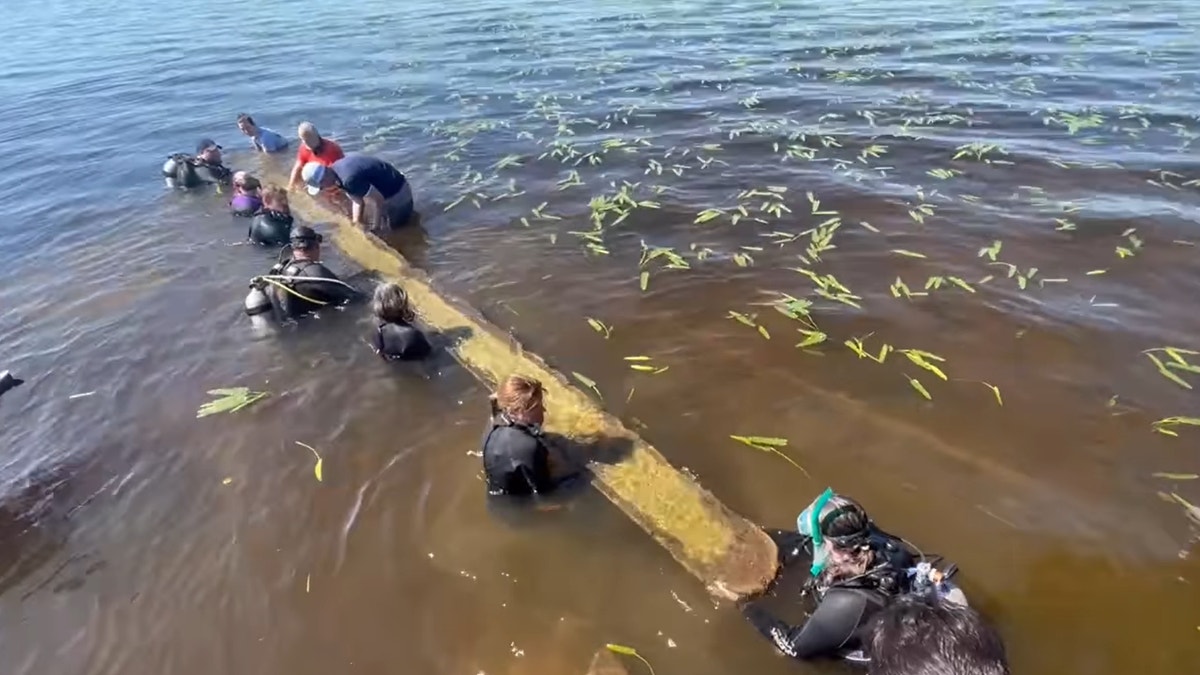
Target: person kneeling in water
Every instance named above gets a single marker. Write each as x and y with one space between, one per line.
922 635
852 570
395 338
272 226
363 178
203 168
516 460
298 285
247 195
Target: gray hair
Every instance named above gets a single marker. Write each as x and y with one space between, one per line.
390 303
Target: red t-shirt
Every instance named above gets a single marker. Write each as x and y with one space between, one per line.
330 152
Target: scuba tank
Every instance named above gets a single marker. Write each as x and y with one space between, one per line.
170 170
257 302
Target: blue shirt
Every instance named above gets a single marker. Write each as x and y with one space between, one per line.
358 173
269 141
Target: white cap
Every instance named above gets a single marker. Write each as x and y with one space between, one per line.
312 173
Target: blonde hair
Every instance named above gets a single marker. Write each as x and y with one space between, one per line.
275 198
518 395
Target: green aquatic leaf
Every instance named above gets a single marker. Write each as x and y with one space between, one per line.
1162 368
767 441
600 327
763 332
995 390
637 358
644 280
1176 476
316 468
812 338
910 254
919 358
742 318
229 400
588 382
629 651
916 384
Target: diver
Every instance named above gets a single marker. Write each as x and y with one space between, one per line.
394 337
272 225
247 195
851 570
516 460
8 382
300 284
203 168
922 635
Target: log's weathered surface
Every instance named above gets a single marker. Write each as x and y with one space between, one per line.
712 542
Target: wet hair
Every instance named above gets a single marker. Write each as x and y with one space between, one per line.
518 395
247 182
391 304
275 197
844 521
921 635
845 525
243 117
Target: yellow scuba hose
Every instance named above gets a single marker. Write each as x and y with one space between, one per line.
291 290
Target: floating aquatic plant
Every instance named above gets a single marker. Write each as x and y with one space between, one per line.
771 445
629 651
317 468
230 401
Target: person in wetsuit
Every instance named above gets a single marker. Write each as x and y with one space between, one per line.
310 285
851 569
394 337
925 635
203 168
516 460
272 225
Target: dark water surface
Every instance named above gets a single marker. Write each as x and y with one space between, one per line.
138 539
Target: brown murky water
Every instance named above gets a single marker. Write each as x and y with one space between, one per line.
137 539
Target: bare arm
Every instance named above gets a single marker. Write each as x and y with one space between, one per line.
294 179
356 209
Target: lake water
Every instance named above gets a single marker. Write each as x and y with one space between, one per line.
162 543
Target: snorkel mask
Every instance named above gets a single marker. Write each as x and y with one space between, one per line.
809 524
815 522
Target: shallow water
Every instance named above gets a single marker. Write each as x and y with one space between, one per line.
163 543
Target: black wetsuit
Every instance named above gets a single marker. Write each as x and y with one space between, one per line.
192 172
270 228
843 610
515 458
290 306
399 341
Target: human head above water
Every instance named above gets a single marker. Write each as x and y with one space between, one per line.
245 182
521 399
306 242
275 198
208 151
309 136
920 635
390 304
317 177
246 124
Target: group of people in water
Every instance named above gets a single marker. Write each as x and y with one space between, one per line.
869 596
